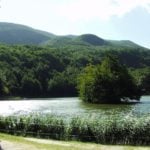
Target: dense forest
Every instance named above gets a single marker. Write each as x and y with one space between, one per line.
34 71
36 63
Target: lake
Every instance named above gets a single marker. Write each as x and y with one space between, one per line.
71 107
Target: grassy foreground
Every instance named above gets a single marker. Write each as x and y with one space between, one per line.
15 142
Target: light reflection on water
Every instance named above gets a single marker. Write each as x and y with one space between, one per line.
72 107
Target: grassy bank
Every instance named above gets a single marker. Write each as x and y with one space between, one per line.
126 130
14 142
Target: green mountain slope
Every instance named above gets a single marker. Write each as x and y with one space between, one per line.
19 34
89 40
123 43
11 33
92 40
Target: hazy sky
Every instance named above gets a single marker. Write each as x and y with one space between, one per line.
109 19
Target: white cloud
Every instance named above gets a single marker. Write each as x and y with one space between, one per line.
67 16
88 10
125 6
69 10
146 4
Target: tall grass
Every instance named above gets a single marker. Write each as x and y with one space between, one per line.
127 130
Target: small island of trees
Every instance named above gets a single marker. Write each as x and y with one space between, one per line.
108 82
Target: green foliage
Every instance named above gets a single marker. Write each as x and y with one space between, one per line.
30 86
109 82
53 70
86 83
142 77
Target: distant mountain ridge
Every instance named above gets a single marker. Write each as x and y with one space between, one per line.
11 33
92 39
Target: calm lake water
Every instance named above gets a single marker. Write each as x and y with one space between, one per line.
71 107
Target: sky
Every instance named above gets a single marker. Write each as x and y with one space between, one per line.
108 19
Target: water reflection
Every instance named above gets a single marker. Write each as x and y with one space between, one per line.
70 107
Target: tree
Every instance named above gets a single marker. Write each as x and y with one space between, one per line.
63 84
142 77
146 84
30 86
108 82
3 85
86 84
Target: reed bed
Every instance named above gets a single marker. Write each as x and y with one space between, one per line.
127 130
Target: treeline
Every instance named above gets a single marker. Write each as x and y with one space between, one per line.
31 71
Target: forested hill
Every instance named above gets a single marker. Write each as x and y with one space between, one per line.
32 71
11 33
19 34
49 65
